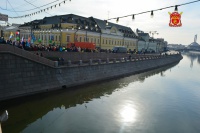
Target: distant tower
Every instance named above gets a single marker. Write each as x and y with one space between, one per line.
195 38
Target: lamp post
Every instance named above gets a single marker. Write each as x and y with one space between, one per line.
157 48
153 33
86 28
123 39
60 27
43 37
77 28
47 37
100 39
31 28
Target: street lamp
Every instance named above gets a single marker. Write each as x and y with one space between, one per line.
86 28
43 37
153 33
77 28
60 28
158 47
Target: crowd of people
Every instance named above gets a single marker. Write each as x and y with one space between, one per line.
53 47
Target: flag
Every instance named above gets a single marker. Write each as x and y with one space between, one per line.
18 39
33 38
11 35
52 37
22 39
39 40
17 33
29 39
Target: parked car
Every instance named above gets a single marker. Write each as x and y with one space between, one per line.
119 49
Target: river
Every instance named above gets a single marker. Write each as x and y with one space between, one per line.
165 100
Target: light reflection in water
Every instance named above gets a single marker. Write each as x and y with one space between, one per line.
128 113
128 116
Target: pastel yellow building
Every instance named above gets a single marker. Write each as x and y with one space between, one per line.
61 30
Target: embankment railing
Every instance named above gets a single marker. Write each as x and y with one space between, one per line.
32 56
26 54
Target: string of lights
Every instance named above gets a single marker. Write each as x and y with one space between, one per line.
117 18
36 6
32 8
151 11
13 9
42 10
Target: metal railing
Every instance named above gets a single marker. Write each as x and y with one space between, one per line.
26 54
87 60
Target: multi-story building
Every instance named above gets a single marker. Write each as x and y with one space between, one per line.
146 43
70 28
150 44
64 29
10 31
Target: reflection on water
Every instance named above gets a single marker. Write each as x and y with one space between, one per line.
35 109
128 113
193 56
152 102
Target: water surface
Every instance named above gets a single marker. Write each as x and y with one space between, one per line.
165 100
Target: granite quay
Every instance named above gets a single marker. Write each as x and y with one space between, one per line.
24 73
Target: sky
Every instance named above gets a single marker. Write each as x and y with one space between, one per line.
104 9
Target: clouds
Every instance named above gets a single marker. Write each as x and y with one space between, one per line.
104 9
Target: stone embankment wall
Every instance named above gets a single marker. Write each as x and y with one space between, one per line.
85 56
21 75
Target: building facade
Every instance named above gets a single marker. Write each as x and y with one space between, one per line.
150 44
10 32
64 29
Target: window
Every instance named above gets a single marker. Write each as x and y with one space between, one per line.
98 41
47 37
80 39
52 37
68 38
106 41
109 42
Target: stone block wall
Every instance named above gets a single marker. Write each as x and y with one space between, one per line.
20 76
